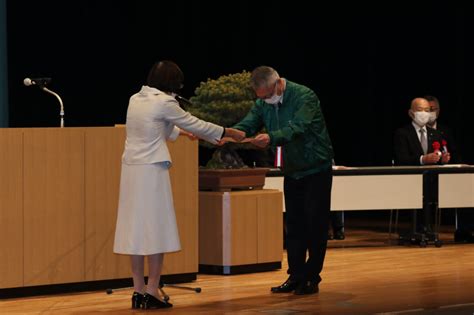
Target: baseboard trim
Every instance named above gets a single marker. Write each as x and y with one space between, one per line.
109 286
240 269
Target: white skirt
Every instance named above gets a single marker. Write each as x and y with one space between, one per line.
146 221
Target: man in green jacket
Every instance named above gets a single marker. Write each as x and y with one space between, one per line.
296 130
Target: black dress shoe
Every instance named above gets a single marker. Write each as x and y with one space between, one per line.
288 286
137 299
149 302
339 235
307 287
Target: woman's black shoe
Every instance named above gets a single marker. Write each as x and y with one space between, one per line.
149 301
137 299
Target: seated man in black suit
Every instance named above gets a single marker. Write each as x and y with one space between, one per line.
444 130
465 225
413 145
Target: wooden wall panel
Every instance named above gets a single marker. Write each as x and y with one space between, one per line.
184 181
211 235
59 190
270 227
103 152
11 208
240 227
241 215
53 205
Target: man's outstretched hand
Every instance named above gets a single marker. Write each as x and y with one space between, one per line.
262 140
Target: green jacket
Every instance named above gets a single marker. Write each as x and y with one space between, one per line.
297 125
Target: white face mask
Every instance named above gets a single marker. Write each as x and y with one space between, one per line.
275 99
421 118
433 117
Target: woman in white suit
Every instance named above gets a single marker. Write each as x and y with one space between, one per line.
146 222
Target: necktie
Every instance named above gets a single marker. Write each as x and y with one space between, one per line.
424 143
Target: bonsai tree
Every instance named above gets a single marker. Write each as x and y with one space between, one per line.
224 101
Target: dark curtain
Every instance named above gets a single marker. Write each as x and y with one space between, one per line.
365 64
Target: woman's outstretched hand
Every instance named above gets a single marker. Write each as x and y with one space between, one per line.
235 134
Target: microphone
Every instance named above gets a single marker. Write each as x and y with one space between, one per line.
37 81
183 102
41 83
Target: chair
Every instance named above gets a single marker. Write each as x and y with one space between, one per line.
413 237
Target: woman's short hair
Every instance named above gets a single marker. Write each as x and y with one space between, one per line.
165 76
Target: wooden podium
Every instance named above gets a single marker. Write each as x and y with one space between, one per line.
240 231
58 205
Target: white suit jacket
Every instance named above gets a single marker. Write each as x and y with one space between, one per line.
152 117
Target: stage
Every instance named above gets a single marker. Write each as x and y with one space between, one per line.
363 274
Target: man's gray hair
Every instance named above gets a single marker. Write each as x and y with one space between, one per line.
263 77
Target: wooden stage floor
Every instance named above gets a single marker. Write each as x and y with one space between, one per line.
362 275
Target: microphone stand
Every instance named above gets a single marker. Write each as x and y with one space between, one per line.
61 112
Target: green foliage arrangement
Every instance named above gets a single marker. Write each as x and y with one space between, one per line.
224 101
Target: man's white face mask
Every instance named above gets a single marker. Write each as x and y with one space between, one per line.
275 99
421 118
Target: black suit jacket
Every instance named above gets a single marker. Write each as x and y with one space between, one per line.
407 146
